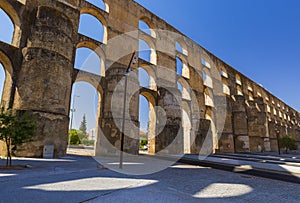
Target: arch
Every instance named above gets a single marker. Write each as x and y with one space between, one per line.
179 87
147 50
97 50
238 79
100 4
250 95
146 26
209 114
152 76
14 18
181 47
223 72
94 81
151 120
90 60
85 99
205 63
143 26
7 71
239 90
184 88
92 13
226 89
207 80
178 47
7 25
86 22
187 126
182 68
144 78
179 66
208 96
144 121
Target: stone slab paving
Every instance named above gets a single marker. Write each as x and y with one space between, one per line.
281 168
82 179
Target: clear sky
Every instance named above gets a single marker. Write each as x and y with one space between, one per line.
260 38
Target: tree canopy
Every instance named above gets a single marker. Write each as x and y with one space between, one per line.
83 127
16 127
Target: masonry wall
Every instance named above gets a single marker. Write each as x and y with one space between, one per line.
226 111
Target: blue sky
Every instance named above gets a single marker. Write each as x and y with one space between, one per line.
260 38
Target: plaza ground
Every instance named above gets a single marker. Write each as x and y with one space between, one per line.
80 178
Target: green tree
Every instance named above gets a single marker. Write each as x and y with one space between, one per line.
16 127
81 134
83 127
73 137
288 142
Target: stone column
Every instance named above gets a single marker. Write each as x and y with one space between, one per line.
240 125
256 125
110 129
170 138
45 79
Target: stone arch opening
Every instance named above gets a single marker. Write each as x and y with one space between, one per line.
144 78
239 90
85 101
186 125
147 77
179 66
250 96
186 114
184 88
181 47
205 63
146 26
91 18
90 60
226 89
5 79
207 80
238 79
10 22
147 50
182 68
7 25
147 117
208 95
223 72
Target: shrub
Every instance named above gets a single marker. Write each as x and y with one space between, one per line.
288 142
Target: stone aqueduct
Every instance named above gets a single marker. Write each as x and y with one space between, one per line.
39 69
